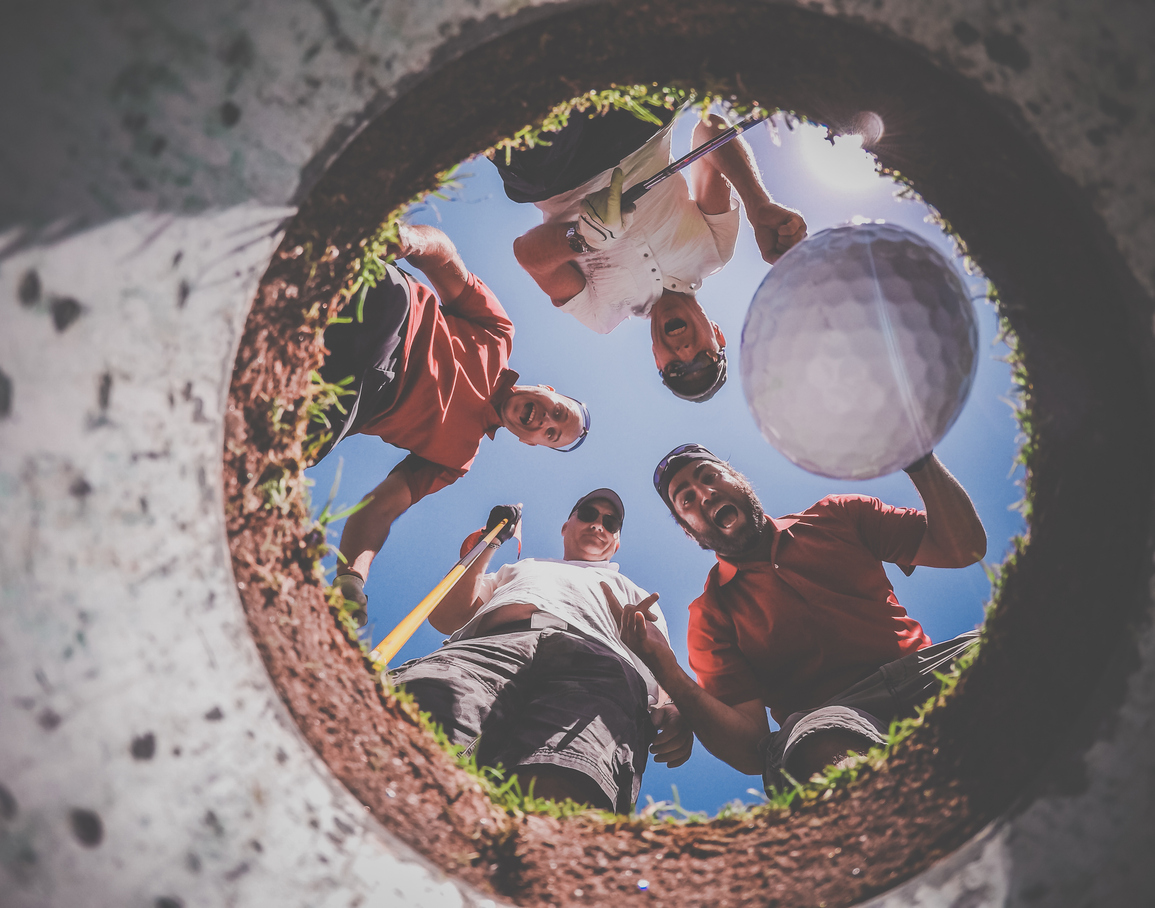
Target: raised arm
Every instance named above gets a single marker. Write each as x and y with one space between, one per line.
455 610
460 603
546 254
367 529
776 229
954 534
433 253
731 733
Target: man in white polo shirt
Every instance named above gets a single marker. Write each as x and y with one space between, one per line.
602 265
535 676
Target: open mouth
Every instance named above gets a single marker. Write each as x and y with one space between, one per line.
526 416
674 326
725 517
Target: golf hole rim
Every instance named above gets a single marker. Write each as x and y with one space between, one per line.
1080 417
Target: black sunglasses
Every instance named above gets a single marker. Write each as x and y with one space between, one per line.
587 513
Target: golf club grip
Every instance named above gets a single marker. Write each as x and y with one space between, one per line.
399 636
638 190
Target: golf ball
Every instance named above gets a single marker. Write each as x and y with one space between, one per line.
858 351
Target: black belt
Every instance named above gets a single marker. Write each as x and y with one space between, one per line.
536 622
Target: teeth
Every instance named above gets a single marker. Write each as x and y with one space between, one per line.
674 326
725 516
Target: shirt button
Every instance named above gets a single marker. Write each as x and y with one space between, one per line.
645 255
775 567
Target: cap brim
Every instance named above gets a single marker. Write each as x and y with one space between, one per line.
607 495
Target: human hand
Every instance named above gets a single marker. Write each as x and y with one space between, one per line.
776 229
637 630
352 588
510 512
408 243
422 245
675 740
603 220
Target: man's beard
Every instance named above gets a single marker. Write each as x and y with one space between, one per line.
743 543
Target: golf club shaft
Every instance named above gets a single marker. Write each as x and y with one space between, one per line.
399 636
638 190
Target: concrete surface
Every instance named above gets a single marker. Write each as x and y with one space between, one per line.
150 154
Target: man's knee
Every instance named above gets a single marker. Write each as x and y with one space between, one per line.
828 747
560 782
439 699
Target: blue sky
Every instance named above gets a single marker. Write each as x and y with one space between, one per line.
636 421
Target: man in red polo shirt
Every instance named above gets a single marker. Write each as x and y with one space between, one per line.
798 616
430 375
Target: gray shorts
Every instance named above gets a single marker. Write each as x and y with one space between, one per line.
866 708
372 351
540 696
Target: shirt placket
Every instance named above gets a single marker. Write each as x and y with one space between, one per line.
776 559
649 273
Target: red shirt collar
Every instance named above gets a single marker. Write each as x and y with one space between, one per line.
728 570
501 392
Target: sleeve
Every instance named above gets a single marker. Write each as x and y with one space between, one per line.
724 228
477 304
488 583
425 477
590 308
719 666
889 533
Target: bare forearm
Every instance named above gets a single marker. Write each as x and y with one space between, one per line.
361 540
545 253
456 609
725 732
734 161
954 534
366 530
433 253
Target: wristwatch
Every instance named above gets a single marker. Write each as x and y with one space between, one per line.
576 241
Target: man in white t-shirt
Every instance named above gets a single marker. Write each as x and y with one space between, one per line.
535 676
602 265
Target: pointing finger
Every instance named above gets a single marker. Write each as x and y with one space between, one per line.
645 605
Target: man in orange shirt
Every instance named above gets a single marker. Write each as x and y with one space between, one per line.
798 616
430 376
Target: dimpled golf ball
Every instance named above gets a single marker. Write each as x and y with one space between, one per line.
859 351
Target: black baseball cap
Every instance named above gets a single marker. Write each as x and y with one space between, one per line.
674 461
606 495
700 380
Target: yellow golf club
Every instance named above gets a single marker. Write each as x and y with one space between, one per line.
399 636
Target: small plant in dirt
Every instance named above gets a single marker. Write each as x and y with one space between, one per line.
324 398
